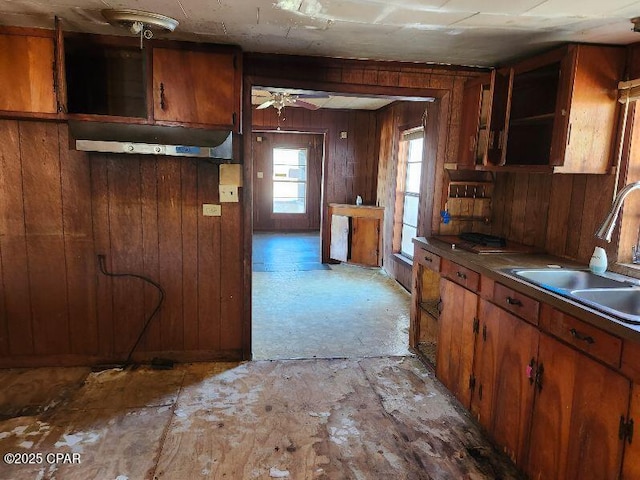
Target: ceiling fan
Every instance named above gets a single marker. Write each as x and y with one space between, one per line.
279 100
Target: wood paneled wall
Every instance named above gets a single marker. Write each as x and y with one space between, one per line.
263 216
557 213
60 208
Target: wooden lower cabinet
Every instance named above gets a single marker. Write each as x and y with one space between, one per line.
455 354
502 401
355 234
576 416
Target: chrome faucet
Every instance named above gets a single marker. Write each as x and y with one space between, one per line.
606 229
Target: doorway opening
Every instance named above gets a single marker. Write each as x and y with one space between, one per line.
304 159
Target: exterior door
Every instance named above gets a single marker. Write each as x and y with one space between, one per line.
288 179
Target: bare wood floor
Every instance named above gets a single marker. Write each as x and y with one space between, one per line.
373 418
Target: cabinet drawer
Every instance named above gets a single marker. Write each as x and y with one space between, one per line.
460 275
427 259
585 337
516 303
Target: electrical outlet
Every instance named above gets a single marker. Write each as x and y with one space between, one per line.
211 210
228 194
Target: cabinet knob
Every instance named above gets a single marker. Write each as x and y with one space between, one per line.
461 275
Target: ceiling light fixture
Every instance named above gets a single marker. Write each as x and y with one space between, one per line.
139 22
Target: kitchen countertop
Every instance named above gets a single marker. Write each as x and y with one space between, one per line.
491 265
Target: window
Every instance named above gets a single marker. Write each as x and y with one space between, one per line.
630 172
408 189
289 180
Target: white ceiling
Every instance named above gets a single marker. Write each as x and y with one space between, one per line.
459 32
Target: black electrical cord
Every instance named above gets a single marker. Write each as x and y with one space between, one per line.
102 263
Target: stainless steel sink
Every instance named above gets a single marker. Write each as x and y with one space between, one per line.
613 294
567 279
622 302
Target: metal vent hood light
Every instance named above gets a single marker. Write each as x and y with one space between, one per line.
153 140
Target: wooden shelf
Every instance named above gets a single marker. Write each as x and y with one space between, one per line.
535 119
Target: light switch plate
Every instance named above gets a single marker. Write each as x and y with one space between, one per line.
211 210
260 174
228 194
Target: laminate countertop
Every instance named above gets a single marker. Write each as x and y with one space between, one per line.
492 265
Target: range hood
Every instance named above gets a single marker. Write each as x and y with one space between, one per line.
110 137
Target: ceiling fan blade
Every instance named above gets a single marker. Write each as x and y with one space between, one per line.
313 95
303 104
266 104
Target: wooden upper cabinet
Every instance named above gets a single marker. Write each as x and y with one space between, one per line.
557 111
578 410
197 87
27 74
587 109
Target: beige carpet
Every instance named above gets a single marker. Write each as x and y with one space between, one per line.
344 312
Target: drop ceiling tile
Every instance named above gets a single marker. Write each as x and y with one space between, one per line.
422 19
505 7
581 8
530 22
352 11
170 8
412 4
334 10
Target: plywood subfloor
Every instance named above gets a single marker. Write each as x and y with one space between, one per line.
373 418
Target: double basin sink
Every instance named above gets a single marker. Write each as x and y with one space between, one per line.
613 294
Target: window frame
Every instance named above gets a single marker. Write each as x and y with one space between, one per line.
627 230
404 137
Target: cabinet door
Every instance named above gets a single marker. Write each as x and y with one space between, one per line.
456 339
471 105
474 130
364 241
587 111
499 116
507 347
576 416
339 249
27 74
196 87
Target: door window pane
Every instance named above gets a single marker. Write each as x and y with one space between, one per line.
289 180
